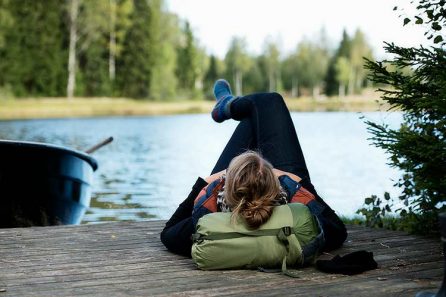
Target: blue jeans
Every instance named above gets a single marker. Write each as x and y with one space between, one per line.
265 126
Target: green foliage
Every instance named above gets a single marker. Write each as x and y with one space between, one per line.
360 50
343 73
255 79
164 81
418 146
136 48
376 212
187 64
312 63
202 66
93 51
238 63
212 74
94 77
123 10
272 64
290 73
134 71
6 93
346 73
331 78
381 213
6 21
33 59
433 15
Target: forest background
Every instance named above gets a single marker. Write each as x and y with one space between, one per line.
138 49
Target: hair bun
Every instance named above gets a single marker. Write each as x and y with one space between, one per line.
255 213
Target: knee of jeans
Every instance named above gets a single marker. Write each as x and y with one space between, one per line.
276 100
276 97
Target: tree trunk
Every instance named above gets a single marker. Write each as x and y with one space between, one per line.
315 92
74 8
271 81
351 80
294 88
112 49
341 90
238 83
358 84
198 84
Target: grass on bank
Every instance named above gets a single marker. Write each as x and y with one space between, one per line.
34 108
389 222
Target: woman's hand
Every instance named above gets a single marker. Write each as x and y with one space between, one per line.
279 172
215 176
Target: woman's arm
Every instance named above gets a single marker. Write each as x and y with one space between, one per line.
184 210
279 172
176 235
215 176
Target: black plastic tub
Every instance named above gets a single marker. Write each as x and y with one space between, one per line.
43 184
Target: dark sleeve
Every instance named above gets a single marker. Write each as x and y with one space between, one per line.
184 210
335 231
176 235
177 238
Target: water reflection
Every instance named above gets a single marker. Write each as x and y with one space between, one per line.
149 168
108 206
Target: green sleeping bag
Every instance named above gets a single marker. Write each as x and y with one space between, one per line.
290 237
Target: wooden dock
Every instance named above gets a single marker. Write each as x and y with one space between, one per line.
128 259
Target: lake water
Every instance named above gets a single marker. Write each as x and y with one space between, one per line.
153 162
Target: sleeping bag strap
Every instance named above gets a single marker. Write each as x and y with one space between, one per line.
197 237
283 238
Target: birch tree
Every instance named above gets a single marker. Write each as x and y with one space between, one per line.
359 50
272 59
290 69
343 74
73 12
165 35
112 41
312 64
237 62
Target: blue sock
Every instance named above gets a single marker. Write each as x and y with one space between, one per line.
223 94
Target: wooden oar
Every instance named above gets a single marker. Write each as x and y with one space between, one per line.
99 145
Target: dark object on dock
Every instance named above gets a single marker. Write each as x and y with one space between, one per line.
349 264
442 291
43 184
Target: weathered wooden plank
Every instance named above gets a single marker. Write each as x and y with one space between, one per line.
306 284
127 259
139 275
135 269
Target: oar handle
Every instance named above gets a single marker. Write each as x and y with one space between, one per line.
99 145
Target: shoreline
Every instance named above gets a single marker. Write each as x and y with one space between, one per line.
60 108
